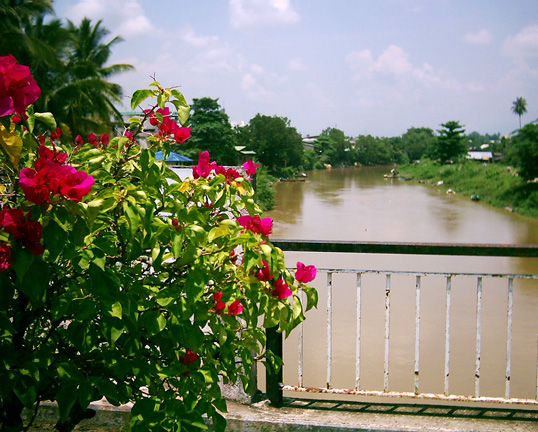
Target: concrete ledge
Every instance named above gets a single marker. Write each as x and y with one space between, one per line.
263 417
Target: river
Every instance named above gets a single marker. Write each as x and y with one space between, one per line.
360 204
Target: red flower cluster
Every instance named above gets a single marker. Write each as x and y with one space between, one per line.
23 230
167 126
92 139
280 289
51 177
235 308
205 167
189 358
256 224
18 88
5 257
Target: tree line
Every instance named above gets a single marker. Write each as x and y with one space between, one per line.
281 149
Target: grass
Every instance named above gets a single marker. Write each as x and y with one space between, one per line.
494 184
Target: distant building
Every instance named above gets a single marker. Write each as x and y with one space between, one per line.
484 156
308 142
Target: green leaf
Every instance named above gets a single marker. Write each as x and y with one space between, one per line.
47 118
36 281
140 96
219 422
111 307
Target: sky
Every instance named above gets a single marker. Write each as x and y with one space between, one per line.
375 67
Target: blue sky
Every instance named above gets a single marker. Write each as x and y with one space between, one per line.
366 67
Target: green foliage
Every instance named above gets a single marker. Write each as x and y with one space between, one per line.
519 107
265 194
211 131
417 141
524 151
277 144
124 301
450 143
494 184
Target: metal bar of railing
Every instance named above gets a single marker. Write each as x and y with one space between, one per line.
509 337
417 334
329 327
478 336
358 335
387 335
447 334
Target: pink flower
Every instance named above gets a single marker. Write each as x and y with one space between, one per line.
129 135
256 224
18 88
5 256
75 184
264 274
182 134
304 273
235 308
204 167
79 140
250 167
281 289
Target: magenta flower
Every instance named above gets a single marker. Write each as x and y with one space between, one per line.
75 184
304 273
235 308
18 88
182 134
250 167
256 224
264 274
204 167
281 289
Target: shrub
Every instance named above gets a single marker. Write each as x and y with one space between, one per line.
119 280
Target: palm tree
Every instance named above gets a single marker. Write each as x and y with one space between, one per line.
519 107
86 100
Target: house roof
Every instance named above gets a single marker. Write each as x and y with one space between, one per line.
172 157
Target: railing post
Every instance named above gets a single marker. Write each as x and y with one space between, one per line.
273 381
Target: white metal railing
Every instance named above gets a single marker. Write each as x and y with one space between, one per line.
446 395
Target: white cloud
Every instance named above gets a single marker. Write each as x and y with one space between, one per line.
392 61
481 37
297 65
522 44
191 38
252 13
251 87
123 17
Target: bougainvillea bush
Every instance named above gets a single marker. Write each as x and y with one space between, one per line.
120 280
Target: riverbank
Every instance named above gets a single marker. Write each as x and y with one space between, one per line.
493 184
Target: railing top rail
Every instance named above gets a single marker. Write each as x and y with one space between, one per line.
408 248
